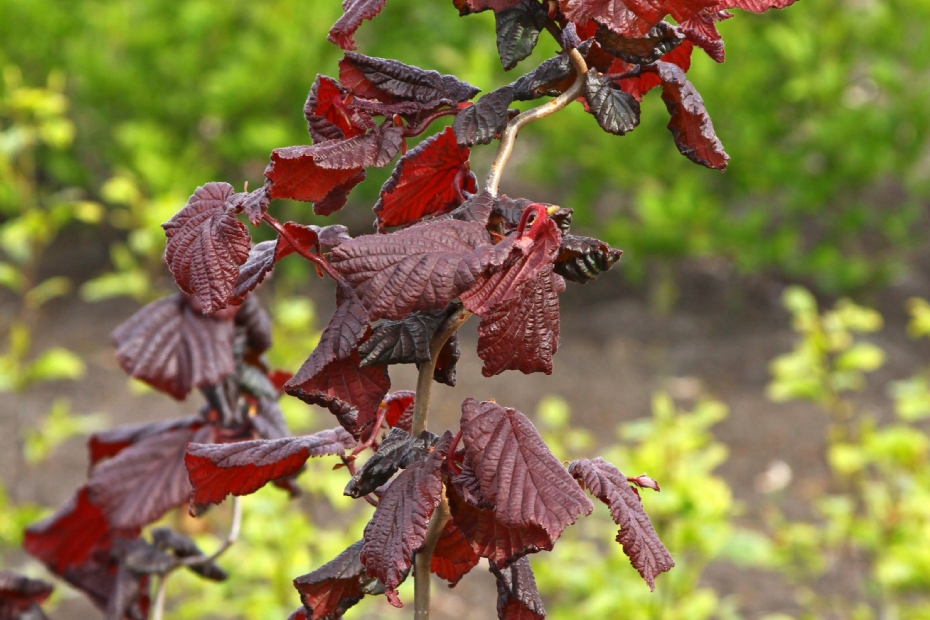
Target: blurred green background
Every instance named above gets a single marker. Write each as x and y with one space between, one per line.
113 111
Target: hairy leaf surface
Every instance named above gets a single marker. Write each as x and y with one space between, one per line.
173 348
690 124
517 596
206 245
487 119
428 180
354 12
616 111
516 471
337 585
641 544
241 468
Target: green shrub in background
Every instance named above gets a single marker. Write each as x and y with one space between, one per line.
167 96
872 531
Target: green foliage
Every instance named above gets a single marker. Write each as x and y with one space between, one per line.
693 514
878 509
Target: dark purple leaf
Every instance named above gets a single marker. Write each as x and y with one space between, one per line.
241 468
206 245
660 40
354 12
402 342
641 544
337 585
446 361
398 451
516 472
476 209
581 259
518 31
376 148
254 204
256 323
252 273
616 111
517 596
19 593
690 124
173 348
486 120
405 82
453 556
551 78
107 444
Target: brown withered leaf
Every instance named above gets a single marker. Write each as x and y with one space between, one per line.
206 245
173 348
641 544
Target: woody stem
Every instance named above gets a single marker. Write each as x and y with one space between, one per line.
424 560
509 136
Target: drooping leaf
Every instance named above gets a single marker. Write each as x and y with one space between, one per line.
354 12
402 342
428 180
446 361
254 320
631 18
532 248
487 119
476 209
206 245
641 84
293 173
660 40
701 30
641 544
241 468
375 148
518 31
690 124
517 596
756 6
616 111
109 443
405 82
173 348
491 539
337 585
453 556
398 451
516 471
421 268
398 526
581 259
523 333
338 196
551 78
141 483
350 392
254 270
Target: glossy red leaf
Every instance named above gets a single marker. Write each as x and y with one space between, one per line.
421 268
141 483
206 245
516 472
389 80
327 115
398 526
399 407
173 348
517 596
641 544
531 249
293 173
337 585
523 333
756 6
241 468
18 593
690 124
491 539
429 179
354 12
106 444
453 556
337 198
701 30
631 18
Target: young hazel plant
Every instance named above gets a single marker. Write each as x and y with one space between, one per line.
444 249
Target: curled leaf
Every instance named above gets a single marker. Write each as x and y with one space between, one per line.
690 124
453 556
581 259
660 40
336 586
354 12
398 451
402 342
517 596
294 173
701 30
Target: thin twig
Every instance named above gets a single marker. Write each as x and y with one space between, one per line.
424 560
415 130
310 256
425 377
534 114
158 608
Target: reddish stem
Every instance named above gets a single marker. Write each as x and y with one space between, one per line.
416 130
450 455
350 465
316 259
379 421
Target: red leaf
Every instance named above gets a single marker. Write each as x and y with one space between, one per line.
701 30
398 526
389 80
337 198
429 179
253 271
640 542
534 246
489 538
337 585
376 148
294 174
516 472
71 535
173 348
517 596
350 392
756 6
642 84
631 18
298 614
453 556
19 593
109 443
399 407
241 468
137 486
206 245
477 208
355 11
421 268
326 112
523 333
690 124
